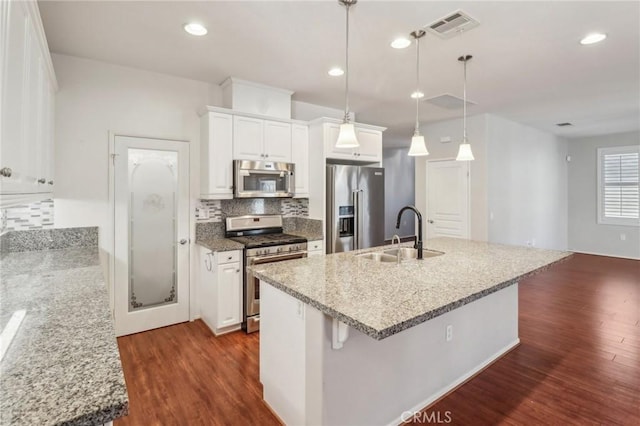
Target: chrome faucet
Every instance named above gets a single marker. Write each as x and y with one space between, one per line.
399 253
418 238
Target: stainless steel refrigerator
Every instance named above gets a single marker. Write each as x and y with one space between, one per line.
355 207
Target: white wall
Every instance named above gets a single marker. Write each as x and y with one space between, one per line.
399 190
527 192
476 132
585 234
96 98
308 112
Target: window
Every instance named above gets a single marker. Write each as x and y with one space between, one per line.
618 189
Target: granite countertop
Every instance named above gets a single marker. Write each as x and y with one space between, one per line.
63 366
381 299
220 244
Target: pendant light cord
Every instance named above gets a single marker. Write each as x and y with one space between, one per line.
346 74
417 130
464 105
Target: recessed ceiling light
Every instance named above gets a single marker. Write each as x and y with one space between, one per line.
336 71
593 38
417 95
401 43
195 29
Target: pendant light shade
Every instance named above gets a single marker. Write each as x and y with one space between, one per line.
418 146
347 136
464 151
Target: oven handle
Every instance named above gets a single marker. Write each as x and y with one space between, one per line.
288 256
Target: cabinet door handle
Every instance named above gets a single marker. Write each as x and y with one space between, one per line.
42 180
183 241
50 182
238 271
5 171
230 257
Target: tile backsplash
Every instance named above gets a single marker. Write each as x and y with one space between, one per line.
218 210
37 215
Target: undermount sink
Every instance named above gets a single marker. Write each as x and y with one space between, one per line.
379 257
405 252
411 253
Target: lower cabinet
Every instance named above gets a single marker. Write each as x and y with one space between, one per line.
315 248
220 284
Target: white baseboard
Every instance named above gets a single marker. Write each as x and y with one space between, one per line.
440 393
604 254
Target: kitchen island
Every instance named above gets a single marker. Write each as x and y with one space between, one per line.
348 340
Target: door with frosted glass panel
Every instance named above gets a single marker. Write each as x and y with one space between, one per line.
151 192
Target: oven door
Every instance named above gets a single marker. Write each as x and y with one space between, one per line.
252 286
258 179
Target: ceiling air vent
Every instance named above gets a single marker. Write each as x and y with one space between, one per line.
451 24
564 124
448 101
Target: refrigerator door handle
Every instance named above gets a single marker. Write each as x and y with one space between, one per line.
332 218
360 218
356 227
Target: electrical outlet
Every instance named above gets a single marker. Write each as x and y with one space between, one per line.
623 237
300 310
528 243
449 333
533 242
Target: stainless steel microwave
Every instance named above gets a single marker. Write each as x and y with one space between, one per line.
263 179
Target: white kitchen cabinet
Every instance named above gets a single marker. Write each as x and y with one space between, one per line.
315 248
261 140
216 156
28 89
300 157
370 140
220 286
370 149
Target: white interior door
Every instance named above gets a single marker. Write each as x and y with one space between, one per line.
151 192
447 199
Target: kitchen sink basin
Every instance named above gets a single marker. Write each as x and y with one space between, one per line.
411 253
379 257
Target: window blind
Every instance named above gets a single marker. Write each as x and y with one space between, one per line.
620 188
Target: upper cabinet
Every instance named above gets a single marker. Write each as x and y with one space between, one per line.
27 102
261 140
300 157
369 137
227 135
216 155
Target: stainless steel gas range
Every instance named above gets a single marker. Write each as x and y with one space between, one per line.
264 242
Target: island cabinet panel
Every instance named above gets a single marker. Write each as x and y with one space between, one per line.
369 381
216 156
220 288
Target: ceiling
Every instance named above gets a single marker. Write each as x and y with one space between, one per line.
527 66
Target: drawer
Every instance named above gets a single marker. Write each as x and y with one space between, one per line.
228 256
315 245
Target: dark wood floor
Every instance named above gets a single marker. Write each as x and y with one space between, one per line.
578 362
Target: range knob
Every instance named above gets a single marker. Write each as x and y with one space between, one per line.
279 249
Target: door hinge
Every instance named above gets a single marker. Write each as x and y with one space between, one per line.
113 158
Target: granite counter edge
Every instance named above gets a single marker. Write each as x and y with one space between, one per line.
412 322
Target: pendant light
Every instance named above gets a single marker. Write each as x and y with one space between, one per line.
464 151
418 146
347 136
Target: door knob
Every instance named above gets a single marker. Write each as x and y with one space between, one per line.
5 171
183 241
430 221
